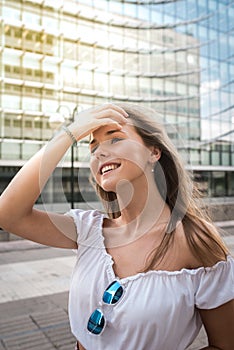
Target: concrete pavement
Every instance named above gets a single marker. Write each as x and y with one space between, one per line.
34 284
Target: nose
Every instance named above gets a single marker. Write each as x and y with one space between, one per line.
102 151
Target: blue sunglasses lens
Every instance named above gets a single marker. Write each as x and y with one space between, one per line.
96 322
113 293
111 296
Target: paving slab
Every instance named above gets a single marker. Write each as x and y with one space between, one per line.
37 323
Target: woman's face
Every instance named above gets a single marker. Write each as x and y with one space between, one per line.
118 155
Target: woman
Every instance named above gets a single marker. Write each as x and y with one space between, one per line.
152 269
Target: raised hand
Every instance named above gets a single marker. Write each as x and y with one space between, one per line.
91 119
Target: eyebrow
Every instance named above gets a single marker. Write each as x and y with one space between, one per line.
107 133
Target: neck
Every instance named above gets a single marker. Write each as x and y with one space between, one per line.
142 208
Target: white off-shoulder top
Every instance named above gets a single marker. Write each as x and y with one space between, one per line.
158 310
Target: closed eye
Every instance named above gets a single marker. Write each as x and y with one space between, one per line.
93 149
113 140
116 139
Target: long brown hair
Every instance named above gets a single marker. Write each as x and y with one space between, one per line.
177 189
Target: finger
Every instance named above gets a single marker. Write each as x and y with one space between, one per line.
113 114
101 123
107 121
112 106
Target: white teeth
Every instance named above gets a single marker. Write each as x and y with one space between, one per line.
109 167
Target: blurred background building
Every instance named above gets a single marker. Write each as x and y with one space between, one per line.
176 57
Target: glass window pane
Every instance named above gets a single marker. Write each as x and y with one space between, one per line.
29 149
84 79
225 158
218 184
215 158
205 157
131 86
231 183
100 82
10 150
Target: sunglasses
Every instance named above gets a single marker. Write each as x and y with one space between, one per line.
111 296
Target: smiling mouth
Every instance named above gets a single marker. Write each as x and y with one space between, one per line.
109 167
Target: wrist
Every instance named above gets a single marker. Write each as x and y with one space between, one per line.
69 134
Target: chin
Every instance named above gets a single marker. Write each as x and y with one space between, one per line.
108 187
110 184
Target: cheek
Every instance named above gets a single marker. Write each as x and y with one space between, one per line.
94 167
136 154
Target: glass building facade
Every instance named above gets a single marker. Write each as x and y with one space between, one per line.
176 57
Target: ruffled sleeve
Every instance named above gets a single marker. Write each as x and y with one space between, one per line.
214 285
88 225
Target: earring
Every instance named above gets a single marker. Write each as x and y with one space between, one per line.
152 169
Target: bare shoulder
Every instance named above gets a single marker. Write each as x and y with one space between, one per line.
181 245
201 246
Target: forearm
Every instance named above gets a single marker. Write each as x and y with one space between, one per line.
20 196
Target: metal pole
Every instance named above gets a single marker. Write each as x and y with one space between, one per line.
72 162
72 176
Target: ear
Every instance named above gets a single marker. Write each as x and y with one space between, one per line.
155 154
